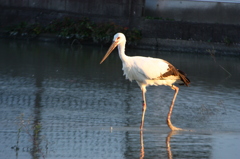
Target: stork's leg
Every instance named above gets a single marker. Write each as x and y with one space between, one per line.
171 108
144 107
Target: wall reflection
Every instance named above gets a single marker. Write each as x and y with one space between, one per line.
37 151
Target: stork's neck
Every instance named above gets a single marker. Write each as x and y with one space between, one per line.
121 51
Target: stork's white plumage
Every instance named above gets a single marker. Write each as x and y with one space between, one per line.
148 71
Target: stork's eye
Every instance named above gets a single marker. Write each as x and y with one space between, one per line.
118 38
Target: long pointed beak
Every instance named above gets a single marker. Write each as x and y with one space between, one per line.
111 48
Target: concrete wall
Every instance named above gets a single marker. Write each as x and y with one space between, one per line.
200 11
190 31
193 23
117 8
203 11
42 9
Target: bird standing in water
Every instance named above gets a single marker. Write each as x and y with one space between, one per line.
148 71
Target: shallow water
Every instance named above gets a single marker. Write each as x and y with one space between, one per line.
56 101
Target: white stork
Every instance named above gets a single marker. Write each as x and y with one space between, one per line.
148 71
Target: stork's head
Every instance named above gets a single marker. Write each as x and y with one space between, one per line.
117 39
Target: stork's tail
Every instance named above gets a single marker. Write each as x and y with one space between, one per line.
183 77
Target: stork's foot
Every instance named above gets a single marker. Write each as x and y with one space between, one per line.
173 128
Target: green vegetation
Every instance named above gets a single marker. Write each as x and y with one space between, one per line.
82 30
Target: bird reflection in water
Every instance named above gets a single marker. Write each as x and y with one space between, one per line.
168 145
142 145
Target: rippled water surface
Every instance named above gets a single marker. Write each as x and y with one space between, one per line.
56 102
